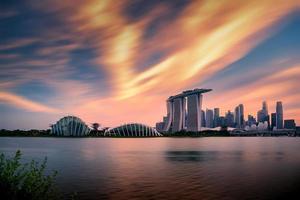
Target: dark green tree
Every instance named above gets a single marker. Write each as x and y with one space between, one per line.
95 126
25 181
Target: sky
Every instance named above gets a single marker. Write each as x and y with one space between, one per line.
116 62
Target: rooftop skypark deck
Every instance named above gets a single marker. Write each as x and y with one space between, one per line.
189 92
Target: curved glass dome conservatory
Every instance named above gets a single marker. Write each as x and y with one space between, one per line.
132 130
70 126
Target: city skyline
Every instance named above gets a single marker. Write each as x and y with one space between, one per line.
116 63
186 107
240 119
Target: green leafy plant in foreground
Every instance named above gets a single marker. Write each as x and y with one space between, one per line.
25 181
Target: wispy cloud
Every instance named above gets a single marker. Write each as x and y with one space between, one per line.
9 56
7 13
205 38
23 103
17 43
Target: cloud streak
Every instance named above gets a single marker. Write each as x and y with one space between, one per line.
23 103
206 37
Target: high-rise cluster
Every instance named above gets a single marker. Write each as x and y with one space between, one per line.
236 119
212 118
185 113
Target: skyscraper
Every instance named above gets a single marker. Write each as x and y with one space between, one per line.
221 121
209 118
194 104
263 115
229 119
273 120
279 115
265 108
242 118
168 123
178 115
239 116
202 118
251 120
236 116
184 111
260 116
217 117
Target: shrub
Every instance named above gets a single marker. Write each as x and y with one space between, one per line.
25 181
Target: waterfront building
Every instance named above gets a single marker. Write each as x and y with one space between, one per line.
298 130
229 119
279 115
203 121
265 108
168 123
178 122
267 119
263 115
262 126
253 127
289 124
165 120
273 120
159 126
184 111
260 116
221 121
217 117
70 126
251 120
239 116
236 114
242 119
209 118
194 104
132 130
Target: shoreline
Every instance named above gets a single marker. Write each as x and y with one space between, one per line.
149 137
101 134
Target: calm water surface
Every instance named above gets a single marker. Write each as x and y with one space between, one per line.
169 168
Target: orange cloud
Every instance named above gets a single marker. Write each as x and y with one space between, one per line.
205 38
23 103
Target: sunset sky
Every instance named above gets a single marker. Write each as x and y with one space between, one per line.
116 62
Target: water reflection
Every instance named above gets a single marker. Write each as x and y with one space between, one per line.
202 156
277 156
191 156
168 168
